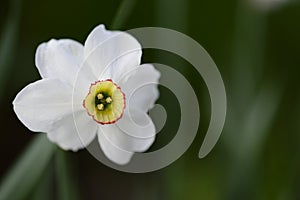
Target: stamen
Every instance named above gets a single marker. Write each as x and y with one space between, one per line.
108 100
105 102
100 96
100 106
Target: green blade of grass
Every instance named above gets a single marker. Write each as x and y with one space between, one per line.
65 181
254 102
8 41
175 18
26 172
44 187
123 13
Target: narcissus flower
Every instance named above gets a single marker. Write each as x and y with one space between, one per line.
99 89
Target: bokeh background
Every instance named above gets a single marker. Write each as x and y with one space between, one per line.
256 46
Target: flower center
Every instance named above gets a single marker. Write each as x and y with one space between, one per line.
105 102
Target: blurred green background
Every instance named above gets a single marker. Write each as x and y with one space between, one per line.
256 46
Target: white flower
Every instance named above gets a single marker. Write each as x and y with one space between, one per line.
98 84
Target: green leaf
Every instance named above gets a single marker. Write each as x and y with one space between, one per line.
19 181
43 189
8 41
123 13
65 181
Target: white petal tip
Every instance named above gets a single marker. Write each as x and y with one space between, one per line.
64 146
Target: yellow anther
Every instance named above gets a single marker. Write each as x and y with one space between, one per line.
100 106
108 100
100 96
105 102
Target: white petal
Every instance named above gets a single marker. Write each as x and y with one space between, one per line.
73 132
111 53
124 141
59 59
42 103
84 79
112 152
137 124
141 87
